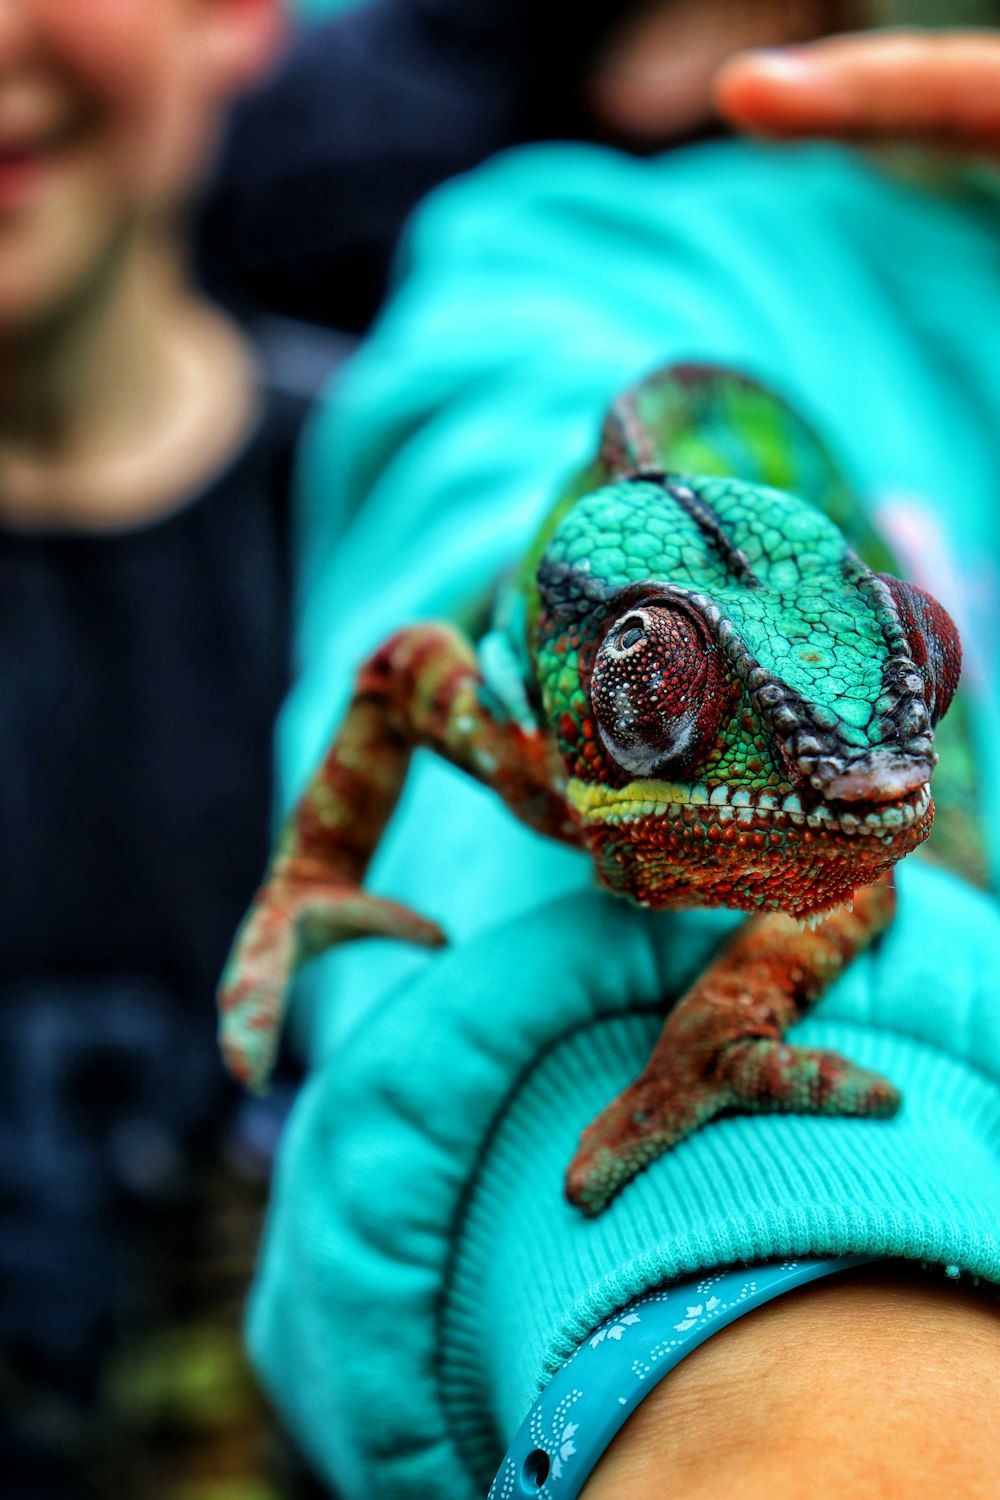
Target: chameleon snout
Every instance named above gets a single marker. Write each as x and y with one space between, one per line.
883 775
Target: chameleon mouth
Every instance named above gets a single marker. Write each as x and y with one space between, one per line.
669 845
739 808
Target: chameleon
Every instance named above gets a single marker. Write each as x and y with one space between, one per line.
696 678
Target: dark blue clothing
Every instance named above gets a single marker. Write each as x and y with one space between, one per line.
141 671
366 114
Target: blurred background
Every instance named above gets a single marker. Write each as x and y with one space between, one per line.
200 209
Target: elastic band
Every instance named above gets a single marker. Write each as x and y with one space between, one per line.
585 1403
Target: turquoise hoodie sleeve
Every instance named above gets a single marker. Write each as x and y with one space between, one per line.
421 1271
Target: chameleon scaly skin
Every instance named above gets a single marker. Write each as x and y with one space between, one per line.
722 1048
794 704
421 687
698 681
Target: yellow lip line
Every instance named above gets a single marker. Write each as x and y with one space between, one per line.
595 803
590 798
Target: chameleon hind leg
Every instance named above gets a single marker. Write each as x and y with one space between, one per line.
422 688
722 1049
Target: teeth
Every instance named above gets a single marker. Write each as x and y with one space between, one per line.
681 804
817 918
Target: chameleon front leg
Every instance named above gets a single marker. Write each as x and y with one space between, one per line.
722 1048
420 689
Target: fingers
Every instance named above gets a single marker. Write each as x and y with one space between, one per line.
750 1076
289 923
252 993
928 86
635 1129
769 1077
339 914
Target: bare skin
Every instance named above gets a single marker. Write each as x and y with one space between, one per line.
116 411
880 1383
652 80
941 87
121 390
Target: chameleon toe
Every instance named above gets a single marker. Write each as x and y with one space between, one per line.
769 1077
642 1124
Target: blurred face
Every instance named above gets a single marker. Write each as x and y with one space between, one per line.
107 108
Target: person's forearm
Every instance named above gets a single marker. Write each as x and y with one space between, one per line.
881 1382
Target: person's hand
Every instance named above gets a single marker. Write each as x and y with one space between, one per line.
939 87
651 80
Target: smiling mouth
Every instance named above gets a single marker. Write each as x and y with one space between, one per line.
24 151
739 809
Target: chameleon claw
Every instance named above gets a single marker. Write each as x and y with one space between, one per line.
750 1076
636 1128
766 1076
290 922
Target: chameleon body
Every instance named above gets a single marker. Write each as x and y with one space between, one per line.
696 679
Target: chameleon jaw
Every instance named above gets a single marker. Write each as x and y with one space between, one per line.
669 845
594 803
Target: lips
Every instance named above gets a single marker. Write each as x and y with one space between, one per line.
742 807
22 168
666 846
29 151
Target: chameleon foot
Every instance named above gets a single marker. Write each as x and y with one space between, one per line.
723 1050
755 1076
291 921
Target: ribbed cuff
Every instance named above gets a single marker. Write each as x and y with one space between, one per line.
531 1278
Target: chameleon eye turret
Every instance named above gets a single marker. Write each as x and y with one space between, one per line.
933 641
658 689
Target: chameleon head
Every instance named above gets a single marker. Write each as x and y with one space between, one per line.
754 726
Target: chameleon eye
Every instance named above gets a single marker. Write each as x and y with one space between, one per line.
631 634
657 690
934 643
